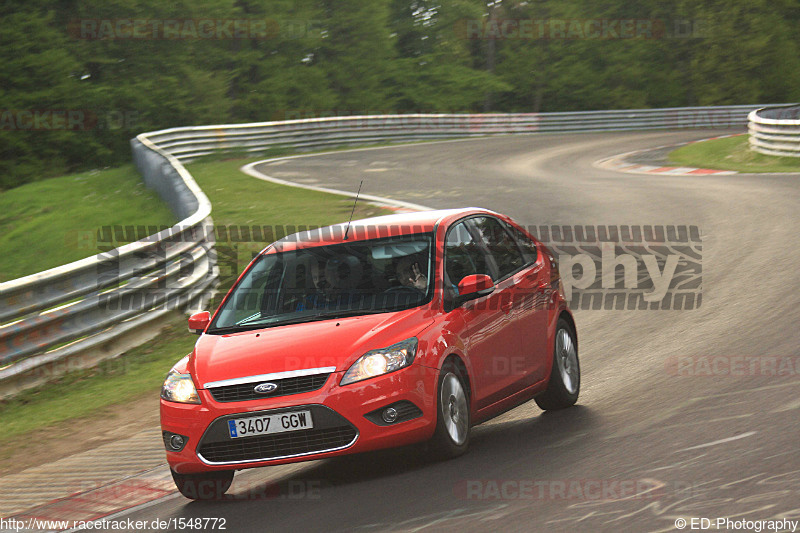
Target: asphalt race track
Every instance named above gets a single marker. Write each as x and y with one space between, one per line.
646 445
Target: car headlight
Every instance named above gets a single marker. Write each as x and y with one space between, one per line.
179 388
382 361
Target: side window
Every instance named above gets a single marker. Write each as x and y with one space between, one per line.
462 255
504 250
525 243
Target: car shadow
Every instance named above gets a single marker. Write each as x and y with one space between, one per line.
500 441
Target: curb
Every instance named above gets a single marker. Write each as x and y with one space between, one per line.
620 162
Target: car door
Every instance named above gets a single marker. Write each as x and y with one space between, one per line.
489 344
521 287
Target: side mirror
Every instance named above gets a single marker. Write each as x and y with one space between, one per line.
472 287
198 322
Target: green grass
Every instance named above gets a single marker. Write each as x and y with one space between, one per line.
242 201
237 200
53 222
731 153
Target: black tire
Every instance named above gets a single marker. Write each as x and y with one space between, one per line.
565 376
453 417
205 486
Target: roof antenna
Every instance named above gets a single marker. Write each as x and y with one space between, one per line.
354 210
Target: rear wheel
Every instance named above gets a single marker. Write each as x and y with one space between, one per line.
451 437
565 376
205 486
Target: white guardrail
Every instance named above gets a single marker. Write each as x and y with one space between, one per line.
74 315
775 130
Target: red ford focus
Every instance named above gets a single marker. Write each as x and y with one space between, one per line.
379 333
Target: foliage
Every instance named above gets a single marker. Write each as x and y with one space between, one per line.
340 57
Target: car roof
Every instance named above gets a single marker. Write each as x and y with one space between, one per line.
375 227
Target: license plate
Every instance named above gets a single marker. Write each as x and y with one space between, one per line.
265 424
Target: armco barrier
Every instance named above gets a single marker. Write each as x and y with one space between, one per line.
82 307
75 315
775 130
192 142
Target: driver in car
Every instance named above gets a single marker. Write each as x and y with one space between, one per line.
319 299
409 273
333 280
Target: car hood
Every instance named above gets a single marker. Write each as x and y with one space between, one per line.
326 343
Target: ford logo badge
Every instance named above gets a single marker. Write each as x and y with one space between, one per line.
265 388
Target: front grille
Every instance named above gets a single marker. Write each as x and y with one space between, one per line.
266 447
286 387
331 431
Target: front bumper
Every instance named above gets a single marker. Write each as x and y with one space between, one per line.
340 424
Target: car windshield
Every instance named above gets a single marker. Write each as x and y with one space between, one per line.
332 281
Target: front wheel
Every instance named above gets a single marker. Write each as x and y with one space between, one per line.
205 486
451 437
565 376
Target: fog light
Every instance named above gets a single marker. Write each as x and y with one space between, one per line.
174 442
389 415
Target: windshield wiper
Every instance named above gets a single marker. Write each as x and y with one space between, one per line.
248 326
247 320
354 312
233 329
